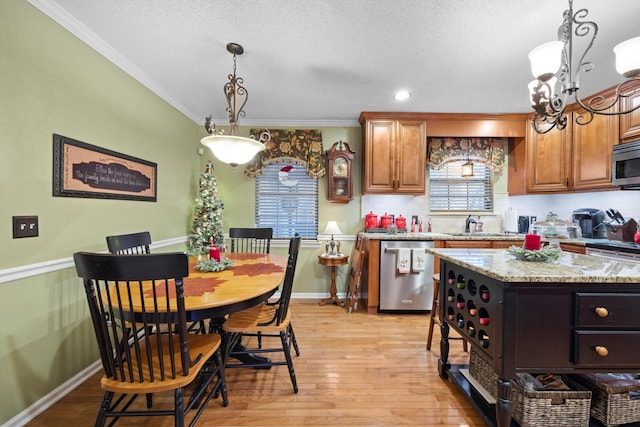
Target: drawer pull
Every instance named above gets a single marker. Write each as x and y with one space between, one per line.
602 350
602 312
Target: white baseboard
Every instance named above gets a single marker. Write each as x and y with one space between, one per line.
52 397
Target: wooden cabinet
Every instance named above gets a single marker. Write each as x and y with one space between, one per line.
592 150
574 159
577 249
630 123
395 156
548 160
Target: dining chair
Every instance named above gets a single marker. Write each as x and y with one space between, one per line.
267 320
251 239
355 274
134 243
137 307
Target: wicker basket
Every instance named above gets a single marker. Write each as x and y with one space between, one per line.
614 401
481 369
568 408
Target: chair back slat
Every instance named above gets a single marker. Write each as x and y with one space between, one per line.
256 240
131 319
134 243
287 285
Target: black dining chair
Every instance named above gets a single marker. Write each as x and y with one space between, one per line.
141 332
250 239
267 320
134 243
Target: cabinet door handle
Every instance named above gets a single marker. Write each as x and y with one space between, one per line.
602 312
602 350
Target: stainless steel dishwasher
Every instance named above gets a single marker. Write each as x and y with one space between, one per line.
410 291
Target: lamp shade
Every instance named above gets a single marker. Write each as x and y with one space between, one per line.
628 57
234 150
332 228
467 170
545 60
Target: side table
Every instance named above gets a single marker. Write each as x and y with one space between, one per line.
333 261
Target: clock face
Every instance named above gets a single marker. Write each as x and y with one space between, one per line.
340 167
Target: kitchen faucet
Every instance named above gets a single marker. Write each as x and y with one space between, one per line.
467 224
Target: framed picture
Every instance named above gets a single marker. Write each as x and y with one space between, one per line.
85 170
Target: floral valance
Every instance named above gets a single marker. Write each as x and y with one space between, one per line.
294 146
489 151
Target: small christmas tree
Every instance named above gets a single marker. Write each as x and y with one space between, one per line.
207 216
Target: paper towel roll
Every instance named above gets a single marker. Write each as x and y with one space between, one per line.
511 221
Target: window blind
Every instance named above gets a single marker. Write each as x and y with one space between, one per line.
287 201
448 191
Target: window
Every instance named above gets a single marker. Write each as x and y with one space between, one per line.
287 201
448 191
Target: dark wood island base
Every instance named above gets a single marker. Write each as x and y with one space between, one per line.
577 315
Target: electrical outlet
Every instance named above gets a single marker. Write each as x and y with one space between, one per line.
25 226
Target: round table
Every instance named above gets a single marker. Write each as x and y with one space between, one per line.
333 261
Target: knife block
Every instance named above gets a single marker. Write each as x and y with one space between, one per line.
622 232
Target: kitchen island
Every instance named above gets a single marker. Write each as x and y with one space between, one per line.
576 315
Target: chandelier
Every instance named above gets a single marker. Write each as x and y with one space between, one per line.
552 65
234 149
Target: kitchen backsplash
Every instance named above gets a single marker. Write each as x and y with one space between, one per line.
627 202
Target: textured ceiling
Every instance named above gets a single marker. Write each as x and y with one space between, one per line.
324 62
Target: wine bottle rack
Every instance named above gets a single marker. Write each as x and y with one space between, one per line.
472 305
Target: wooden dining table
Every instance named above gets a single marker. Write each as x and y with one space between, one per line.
252 279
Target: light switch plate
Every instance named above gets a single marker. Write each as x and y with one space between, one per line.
25 226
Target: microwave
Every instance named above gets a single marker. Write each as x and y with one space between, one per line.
626 166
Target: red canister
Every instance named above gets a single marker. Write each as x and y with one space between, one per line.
371 220
401 222
385 221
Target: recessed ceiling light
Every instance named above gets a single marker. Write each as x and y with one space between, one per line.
402 95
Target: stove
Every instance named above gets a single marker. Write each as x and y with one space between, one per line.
613 245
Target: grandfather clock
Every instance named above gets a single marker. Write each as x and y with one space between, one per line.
340 173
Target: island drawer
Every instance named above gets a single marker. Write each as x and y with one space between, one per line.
607 349
617 310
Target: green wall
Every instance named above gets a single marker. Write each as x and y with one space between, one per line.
51 82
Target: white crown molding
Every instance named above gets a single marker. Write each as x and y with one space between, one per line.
75 27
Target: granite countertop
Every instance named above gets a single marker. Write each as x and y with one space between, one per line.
441 236
570 268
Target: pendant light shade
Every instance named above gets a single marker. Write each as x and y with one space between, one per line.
234 149
628 57
467 169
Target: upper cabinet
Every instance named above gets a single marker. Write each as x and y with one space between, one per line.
395 144
395 155
630 123
548 160
576 158
592 151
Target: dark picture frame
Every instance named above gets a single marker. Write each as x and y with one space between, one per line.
89 171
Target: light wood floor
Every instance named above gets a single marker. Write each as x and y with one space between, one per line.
354 369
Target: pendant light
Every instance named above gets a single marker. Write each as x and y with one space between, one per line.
557 76
467 168
234 149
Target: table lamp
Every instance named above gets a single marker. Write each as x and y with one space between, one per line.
333 229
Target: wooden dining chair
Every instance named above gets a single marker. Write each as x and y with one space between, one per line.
250 239
143 342
267 320
355 274
134 243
